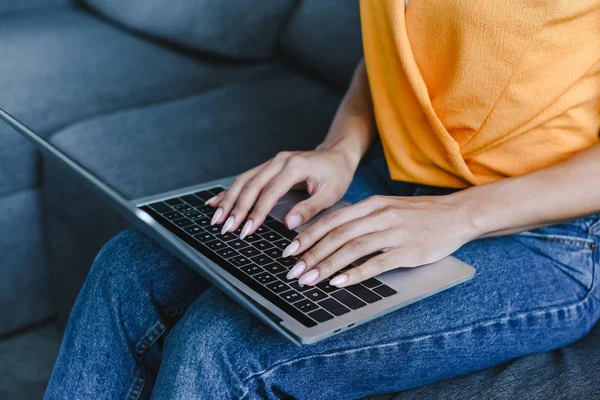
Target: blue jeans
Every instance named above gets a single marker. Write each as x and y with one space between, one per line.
145 325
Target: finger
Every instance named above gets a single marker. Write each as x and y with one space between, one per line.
305 210
347 254
268 170
323 226
370 268
215 200
274 191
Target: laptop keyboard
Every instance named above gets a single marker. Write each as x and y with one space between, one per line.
257 261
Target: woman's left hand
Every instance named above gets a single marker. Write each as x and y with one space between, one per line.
406 232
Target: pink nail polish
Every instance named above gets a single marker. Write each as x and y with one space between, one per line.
291 249
207 202
246 229
217 216
228 224
297 270
294 221
309 277
338 280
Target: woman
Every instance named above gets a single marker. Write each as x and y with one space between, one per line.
502 102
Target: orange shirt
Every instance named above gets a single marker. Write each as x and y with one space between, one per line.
470 91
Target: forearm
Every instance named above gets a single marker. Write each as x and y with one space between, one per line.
566 191
353 128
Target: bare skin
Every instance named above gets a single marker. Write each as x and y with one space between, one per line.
407 231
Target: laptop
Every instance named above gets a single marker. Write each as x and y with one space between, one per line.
252 271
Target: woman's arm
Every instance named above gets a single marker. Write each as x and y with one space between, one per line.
565 191
325 172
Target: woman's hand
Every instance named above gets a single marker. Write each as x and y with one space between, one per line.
405 231
324 173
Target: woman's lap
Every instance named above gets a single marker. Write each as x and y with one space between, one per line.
532 293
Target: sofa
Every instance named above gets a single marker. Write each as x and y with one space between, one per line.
153 97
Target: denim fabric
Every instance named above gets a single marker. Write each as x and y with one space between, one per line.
146 325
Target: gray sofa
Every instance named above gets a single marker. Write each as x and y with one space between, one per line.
153 98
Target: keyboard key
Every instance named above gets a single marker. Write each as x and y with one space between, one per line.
204 237
275 268
193 215
216 190
363 293
288 261
204 222
204 195
215 245
265 278
334 307
252 238
271 236
305 305
172 215
326 287
161 207
228 253
240 261
315 294
320 315
278 286
282 244
193 200
226 237
291 296
371 283
238 244
261 229
262 245
194 230
251 269
349 300
215 229
207 210
281 229
384 291
173 202
294 285
274 253
183 208
250 252
183 222
261 260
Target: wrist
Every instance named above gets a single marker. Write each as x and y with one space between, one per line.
472 211
351 151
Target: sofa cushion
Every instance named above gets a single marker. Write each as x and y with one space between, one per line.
168 146
61 66
24 5
325 36
230 28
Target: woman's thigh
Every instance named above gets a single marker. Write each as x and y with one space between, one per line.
530 294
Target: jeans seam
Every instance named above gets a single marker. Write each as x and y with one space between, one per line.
141 347
463 329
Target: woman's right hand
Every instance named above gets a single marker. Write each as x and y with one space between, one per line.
324 173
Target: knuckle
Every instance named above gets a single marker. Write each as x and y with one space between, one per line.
340 234
325 266
310 256
282 155
330 219
359 245
296 161
357 274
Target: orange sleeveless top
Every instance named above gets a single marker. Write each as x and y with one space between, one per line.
470 91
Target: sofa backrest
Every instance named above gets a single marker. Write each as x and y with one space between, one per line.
238 29
325 36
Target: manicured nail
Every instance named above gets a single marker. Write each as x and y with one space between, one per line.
246 229
294 221
207 202
228 224
290 249
297 270
338 280
309 277
217 216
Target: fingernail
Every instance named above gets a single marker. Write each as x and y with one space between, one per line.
228 224
309 277
338 280
294 221
290 249
297 270
207 202
217 216
246 229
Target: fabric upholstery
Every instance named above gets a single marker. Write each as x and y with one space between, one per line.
24 289
168 146
244 30
26 5
325 37
89 68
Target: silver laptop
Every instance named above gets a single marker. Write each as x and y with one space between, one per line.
252 271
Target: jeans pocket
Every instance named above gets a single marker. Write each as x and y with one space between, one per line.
572 252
